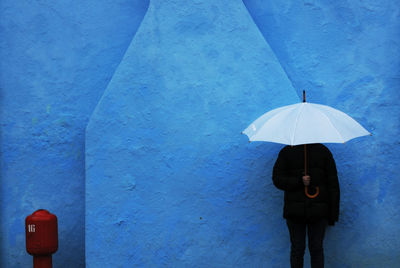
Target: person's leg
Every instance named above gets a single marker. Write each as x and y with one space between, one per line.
297 233
316 233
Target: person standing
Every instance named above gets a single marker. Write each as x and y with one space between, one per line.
304 214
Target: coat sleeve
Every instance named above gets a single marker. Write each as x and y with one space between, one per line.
333 189
281 178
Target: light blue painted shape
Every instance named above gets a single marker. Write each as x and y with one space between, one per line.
57 58
170 180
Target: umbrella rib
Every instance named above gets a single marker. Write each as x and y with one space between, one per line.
295 125
330 122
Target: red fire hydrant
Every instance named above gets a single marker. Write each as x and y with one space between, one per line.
41 237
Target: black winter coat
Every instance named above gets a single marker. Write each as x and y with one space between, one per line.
287 175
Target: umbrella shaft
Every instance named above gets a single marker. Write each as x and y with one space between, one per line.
305 160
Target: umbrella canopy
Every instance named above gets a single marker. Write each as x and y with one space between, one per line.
305 123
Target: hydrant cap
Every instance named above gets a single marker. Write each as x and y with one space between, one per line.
41 212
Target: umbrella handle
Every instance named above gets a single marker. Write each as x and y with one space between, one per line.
309 195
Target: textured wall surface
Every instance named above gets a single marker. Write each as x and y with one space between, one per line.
347 55
57 58
170 179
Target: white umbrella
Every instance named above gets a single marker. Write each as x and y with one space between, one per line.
305 123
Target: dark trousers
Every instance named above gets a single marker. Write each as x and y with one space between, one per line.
316 232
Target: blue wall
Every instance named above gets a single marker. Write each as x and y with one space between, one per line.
347 55
169 179
56 60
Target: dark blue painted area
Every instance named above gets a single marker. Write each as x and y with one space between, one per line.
346 54
57 58
170 180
